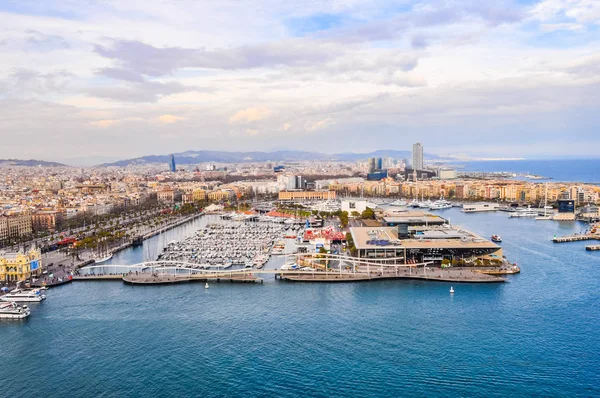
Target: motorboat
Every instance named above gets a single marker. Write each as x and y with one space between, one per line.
440 204
451 290
10 310
103 259
496 238
206 285
398 202
528 212
22 295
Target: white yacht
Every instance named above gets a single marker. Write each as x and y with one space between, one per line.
398 202
13 311
477 207
99 260
20 295
440 204
520 213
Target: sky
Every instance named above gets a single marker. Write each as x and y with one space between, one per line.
85 82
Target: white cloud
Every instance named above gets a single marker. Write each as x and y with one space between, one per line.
250 115
173 72
168 119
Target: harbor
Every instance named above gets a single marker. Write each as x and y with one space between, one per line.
231 327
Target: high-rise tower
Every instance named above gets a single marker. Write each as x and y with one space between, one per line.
172 166
417 156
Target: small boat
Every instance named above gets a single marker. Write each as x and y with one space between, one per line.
13 311
103 259
496 238
206 285
451 290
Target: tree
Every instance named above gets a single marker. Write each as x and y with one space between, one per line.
343 219
368 214
355 214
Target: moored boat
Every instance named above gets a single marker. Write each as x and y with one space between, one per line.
10 310
22 295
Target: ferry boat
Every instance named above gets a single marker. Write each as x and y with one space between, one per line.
496 238
20 295
13 311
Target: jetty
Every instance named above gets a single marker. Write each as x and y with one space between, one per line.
168 272
592 248
576 238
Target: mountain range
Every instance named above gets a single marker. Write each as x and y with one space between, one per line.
29 163
194 157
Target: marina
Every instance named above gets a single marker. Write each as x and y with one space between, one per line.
225 245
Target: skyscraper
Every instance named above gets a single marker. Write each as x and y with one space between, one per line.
172 166
372 165
417 156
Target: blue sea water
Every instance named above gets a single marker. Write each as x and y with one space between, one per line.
568 170
537 335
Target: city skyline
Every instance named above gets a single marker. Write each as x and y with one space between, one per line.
512 79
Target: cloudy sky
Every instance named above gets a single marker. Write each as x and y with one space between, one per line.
84 81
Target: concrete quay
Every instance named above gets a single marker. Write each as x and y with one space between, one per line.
163 279
576 238
445 275
592 248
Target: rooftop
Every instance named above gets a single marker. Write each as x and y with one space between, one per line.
450 237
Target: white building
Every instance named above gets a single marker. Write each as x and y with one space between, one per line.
356 205
286 182
447 174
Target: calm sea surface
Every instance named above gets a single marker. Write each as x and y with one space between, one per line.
538 335
573 170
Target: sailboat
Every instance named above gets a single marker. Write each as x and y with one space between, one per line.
546 216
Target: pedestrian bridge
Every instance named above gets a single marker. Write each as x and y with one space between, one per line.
349 265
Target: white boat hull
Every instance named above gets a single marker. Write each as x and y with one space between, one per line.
36 299
20 315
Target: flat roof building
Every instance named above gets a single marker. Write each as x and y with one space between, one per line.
436 244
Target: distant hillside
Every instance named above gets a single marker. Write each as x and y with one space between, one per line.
30 163
194 157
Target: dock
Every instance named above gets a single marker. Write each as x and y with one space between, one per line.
576 238
592 248
454 276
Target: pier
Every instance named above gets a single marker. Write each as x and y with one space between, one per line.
178 272
592 248
576 238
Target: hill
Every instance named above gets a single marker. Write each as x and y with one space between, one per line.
29 163
195 157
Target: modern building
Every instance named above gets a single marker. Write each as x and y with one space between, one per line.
15 267
307 195
359 206
172 165
446 174
417 156
405 244
566 210
377 175
372 164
